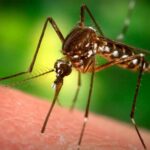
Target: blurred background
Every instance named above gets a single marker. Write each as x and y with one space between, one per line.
21 23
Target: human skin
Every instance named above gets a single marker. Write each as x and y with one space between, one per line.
22 116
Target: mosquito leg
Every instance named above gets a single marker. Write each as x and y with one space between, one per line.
134 104
57 90
125 27
87 107
77 92
109 64
115 62
39 75
52 22
82 19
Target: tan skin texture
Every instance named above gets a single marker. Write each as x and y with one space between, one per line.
21 118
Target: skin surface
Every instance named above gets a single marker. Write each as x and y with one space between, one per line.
22 116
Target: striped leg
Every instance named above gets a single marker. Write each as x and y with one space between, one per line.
87 106
134 104
125 27
122 60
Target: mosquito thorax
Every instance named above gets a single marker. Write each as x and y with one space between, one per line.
79 46
77 40
62 68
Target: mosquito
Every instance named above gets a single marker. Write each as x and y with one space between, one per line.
80 48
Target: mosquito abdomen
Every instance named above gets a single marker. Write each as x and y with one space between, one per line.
112 50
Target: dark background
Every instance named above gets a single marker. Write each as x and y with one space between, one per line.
21 23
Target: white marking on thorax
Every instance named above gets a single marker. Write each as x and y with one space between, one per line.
90 53
81 62
92 29
87 45
95 46
76 56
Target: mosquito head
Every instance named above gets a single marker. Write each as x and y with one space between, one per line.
62 68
